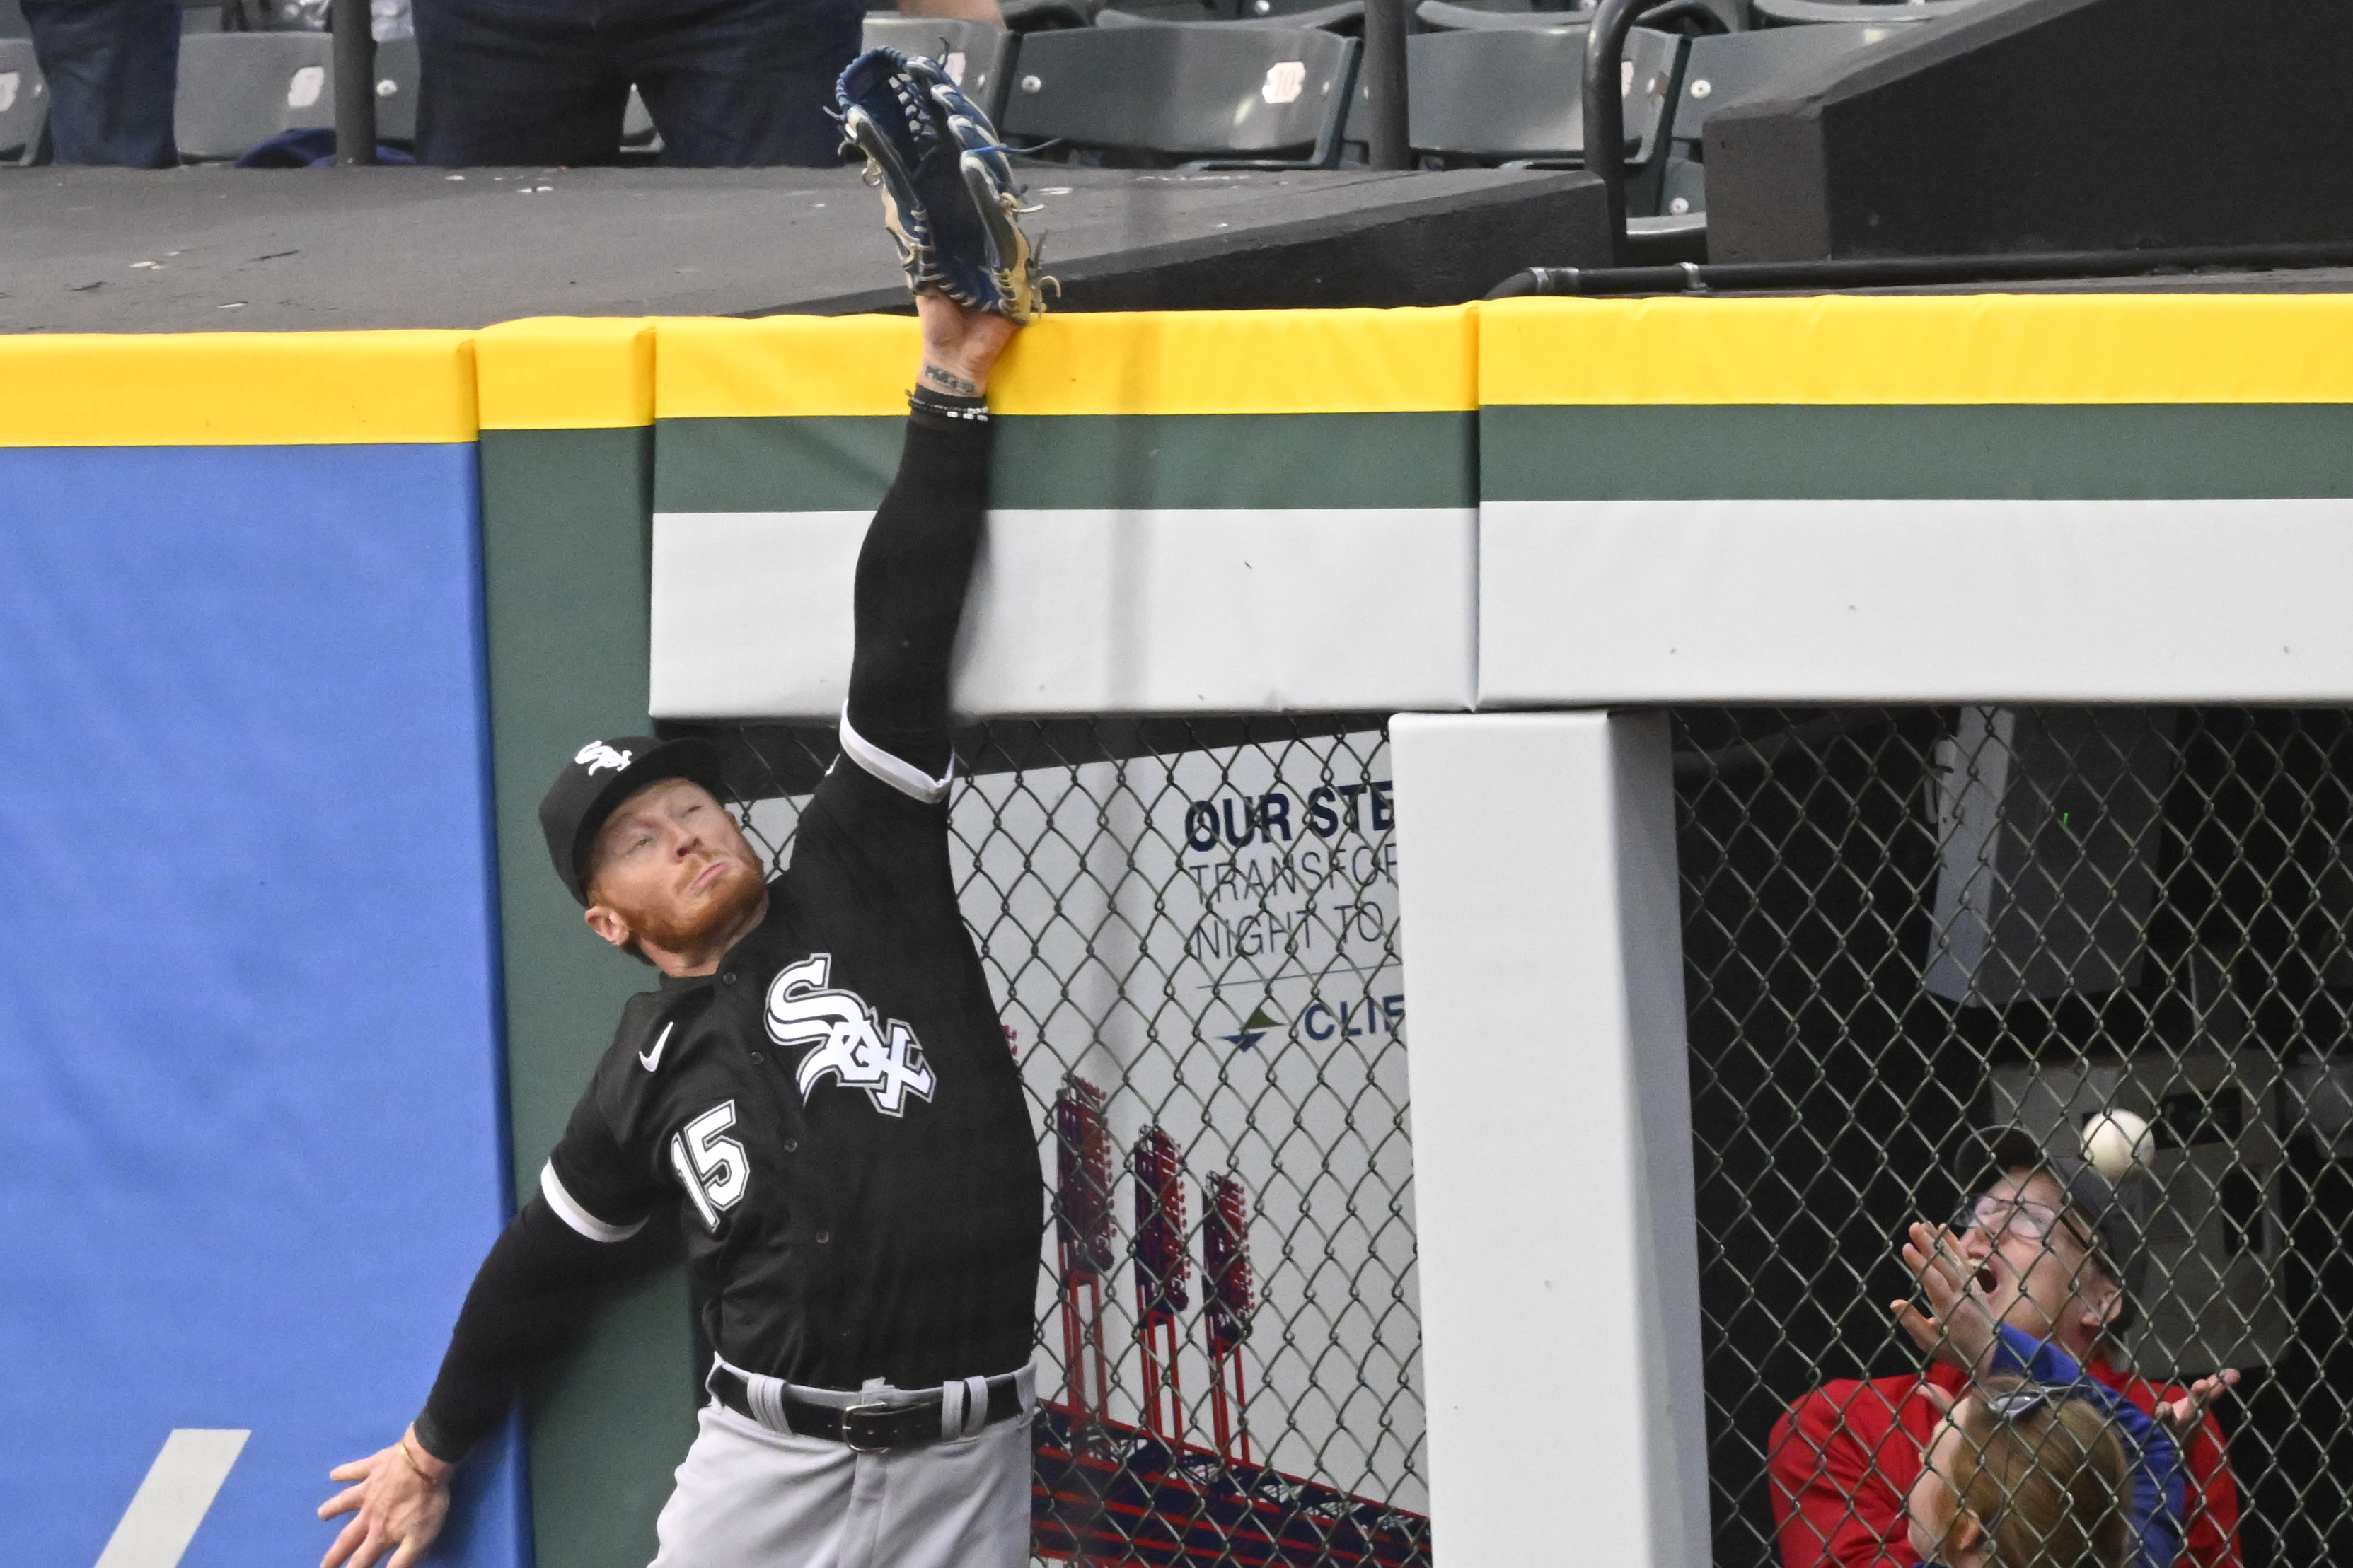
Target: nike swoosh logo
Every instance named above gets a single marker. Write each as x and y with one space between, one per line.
652 1059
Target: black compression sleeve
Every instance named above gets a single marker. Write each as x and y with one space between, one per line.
531 1295
912 572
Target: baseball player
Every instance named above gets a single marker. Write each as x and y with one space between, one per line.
818 1086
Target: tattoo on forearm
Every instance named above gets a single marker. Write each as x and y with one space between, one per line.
948 380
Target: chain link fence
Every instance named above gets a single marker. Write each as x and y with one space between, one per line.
1901 925
1191 931
1905 923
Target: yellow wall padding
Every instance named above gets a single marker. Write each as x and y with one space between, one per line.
1206 361
1975 348
313 388
566 372
199 389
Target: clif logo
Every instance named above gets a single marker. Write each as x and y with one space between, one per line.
1254 1029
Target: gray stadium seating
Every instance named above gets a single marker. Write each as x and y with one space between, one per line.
1339 16
1515 96
1444 17
1728 66
1298 13
397 74
1804 12
1048 16
1683 192
1139 11
977 55
24 102
1725 69
240 88
285 15
1167 92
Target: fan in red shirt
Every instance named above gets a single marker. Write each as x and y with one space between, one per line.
2055 1249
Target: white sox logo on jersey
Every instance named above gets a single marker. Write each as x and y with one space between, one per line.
851 1043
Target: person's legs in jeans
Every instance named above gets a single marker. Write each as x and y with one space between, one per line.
742 83
112 66
518 82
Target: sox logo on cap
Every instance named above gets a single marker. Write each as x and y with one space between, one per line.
597 755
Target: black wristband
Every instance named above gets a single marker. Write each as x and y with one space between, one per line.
927 403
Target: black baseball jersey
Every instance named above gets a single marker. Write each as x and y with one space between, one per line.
836 1113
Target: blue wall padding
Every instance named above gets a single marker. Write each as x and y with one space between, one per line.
250 1103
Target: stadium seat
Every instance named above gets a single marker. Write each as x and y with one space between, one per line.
1444 17
1721 69
1683 191
1804 13
1725 68
1301 13
1136 12
1169 93
1729 66
24 102
240 88
397 73
976 54
285 16
1339 16
1493 96
1048 16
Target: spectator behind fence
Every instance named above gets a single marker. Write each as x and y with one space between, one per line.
729 83
111 67
2051 1254
2023 1476
1958 1323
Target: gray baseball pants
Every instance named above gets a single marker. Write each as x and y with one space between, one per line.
749 1497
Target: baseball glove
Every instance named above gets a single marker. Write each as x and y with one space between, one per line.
948 196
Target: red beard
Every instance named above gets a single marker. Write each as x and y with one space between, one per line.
736 898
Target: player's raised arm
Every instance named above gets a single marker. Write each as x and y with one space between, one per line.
949 202
916 561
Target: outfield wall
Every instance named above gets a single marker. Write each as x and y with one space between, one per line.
309 619
1210 512
249 1037
2053 497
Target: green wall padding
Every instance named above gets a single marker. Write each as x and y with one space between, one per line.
566 525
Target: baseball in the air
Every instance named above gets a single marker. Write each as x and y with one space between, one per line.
2117 1143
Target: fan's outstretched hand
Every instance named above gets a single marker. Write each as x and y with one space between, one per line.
1955 1326
2181 1417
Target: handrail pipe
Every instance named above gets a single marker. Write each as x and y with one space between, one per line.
1605 109
1386 122
353 31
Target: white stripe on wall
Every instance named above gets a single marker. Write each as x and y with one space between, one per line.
1086 612
1590 603
173 1499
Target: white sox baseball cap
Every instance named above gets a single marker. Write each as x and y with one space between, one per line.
599 777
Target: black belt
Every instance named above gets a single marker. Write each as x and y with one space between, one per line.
874 1428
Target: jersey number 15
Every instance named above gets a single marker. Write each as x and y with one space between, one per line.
710 1165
